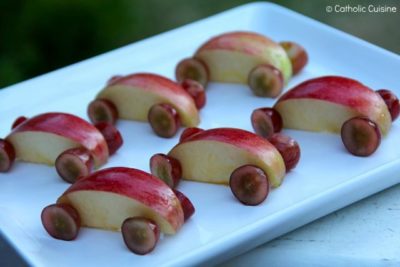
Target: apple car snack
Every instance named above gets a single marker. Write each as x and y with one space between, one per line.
335 104
119 199
70 143
246 162
162 102
261 63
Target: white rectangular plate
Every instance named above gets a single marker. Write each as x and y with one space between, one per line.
327 177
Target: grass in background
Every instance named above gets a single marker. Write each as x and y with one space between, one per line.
43 35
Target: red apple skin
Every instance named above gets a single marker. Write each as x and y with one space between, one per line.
229 41
336 89
135 184
237 137
71 127
343 91
149 81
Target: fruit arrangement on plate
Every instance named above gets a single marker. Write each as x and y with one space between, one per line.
70 143
119 199
162 102
143 205
247 58
334 104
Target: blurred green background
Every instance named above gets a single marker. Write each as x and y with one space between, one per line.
38 36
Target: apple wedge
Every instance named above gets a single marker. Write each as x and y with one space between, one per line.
43 138
325 103
107 197
230 57
212 155
134 95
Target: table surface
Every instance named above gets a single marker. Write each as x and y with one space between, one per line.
366 233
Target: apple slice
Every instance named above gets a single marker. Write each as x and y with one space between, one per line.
134 95
325 103
231 56
107 197
212 155
43 138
